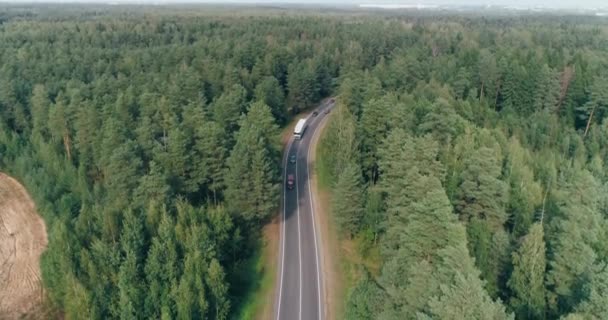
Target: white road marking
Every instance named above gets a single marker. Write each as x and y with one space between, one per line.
299 238
283 223
314 225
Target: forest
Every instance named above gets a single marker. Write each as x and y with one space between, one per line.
470 151
151 147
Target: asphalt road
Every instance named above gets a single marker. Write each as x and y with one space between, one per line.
299 292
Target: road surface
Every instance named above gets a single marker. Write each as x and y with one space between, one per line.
299 292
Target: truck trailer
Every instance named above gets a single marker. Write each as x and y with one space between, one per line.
298 132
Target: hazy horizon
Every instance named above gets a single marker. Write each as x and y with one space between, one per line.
574 4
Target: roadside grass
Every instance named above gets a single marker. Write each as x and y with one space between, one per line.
255 281
353 254
256 278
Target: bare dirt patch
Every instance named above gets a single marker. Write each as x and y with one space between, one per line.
22 240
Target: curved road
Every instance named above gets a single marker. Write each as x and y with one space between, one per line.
299 293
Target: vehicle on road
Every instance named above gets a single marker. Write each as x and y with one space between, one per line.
298 131
315 113
291 181
327 110
332 100
292 158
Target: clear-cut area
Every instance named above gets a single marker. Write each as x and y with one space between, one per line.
22 241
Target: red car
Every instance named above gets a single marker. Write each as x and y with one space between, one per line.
290 181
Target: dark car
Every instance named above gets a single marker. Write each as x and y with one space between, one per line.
332 100
315 113
290 181
292 158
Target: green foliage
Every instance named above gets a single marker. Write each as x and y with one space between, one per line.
302 85
462 295
252 177
365 300
596 292
481 200
347 201
527 279
149 142
377 120
577 236
338 145
270 92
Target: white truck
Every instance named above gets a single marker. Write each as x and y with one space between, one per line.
298 132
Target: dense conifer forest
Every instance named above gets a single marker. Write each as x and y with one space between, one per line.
470 151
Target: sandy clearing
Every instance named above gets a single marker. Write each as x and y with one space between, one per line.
23 238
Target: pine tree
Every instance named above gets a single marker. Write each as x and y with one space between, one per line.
251 177
227 109
576 96
40 105
179 158
161 270
129 288
442 122
374 127
462 83
270 92
402 160
259 117
373 214
86 126
489 76
597 105
481 202
59 126
219 290
264 188
525 193
430 275
210 144
191 297
527 279
365 301
596 292
302 86
547 89
461 292
153 186
577 233
347 200
122 172
418 233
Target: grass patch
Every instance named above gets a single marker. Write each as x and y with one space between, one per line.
255 281
323 167
353 255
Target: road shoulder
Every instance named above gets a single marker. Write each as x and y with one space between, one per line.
328 244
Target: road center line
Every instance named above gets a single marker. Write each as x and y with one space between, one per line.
283 226
299 237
